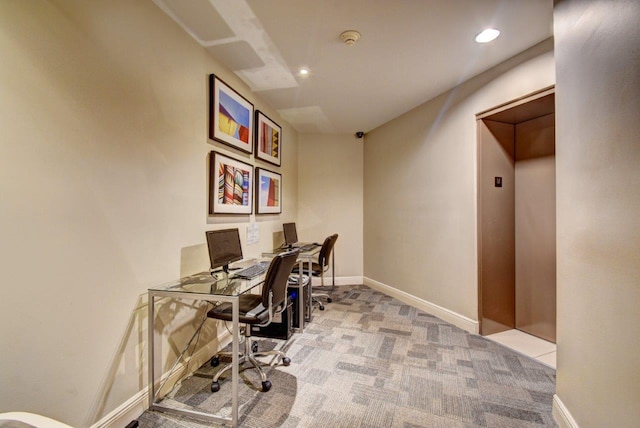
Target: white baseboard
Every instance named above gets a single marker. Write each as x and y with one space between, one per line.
447 315
340 280
136 405
126 412
562 415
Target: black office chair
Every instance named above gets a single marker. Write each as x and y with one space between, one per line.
319 268
259 310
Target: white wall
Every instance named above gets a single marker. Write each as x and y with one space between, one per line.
598 201
420 186
330 198
103 177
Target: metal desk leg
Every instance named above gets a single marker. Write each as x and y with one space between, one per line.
234 373
310 259
301 303
235 315
150 351
333 270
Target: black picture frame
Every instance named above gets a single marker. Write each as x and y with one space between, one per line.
268 139
230 185
231 116
268 191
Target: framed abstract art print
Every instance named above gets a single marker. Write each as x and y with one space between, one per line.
230 116
269 192
268 138
230 185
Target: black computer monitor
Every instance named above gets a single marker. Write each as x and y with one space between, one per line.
290 234
224 248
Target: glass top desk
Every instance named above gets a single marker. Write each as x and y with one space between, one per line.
203 287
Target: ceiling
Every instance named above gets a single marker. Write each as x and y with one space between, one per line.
409 51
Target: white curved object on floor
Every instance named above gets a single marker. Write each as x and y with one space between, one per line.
31 419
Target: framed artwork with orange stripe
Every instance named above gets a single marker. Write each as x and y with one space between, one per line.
230 116
268 139
269 192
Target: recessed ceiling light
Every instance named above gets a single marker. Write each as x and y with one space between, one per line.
303 71
487 35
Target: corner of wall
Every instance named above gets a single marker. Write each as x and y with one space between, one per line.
445 314
562 415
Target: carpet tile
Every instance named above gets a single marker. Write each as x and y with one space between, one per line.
369 360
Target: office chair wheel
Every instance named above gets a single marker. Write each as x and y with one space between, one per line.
215 361
254 347
321 307
215 387
286 361
329 300
266 385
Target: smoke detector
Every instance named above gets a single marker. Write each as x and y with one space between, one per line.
350 37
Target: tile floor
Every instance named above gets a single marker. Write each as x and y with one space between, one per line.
537 348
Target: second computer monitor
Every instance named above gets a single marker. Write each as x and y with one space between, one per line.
290 234
224 248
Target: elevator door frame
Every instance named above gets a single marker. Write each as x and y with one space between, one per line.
522 109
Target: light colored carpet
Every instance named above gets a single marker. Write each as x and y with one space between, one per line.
369 360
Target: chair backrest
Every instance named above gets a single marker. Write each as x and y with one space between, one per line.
327 248
276 278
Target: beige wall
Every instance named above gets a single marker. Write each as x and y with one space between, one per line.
598 197
104 182
104 193
420 186
330 197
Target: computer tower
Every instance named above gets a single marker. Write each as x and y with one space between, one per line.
293 294
281 326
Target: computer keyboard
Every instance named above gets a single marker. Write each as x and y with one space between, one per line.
300 247
252 271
